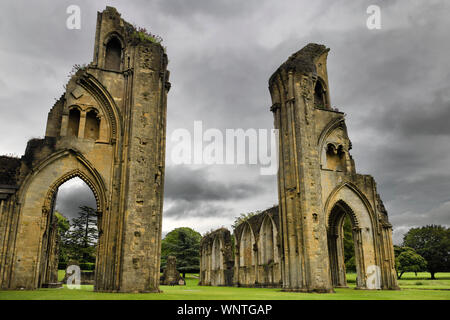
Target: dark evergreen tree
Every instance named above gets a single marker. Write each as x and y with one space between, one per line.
83 235
184 244
63 225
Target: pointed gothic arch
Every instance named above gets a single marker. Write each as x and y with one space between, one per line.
347 200
268 251
106 104
37 195
113 58
320 94
74 121
217 263
246 257
334 146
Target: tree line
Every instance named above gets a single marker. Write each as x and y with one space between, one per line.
424 248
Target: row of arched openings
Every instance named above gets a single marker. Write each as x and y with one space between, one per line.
91 127
267 250
335 157
258 259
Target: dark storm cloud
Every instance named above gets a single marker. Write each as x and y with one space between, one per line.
182 208
417 196
70 198
438 215
219 92
431 118
184 183
199 192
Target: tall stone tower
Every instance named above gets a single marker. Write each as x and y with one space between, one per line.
109 129
318 186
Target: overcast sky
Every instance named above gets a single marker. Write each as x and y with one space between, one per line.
393 84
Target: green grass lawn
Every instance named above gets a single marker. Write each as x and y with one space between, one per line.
413 288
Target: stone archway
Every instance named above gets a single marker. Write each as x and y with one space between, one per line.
268 255
217 265
108 128
50 254
246 259
335 236
346 201
31 257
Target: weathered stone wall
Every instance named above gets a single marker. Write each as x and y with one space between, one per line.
216 259
108 129
170 275
9 174
9 170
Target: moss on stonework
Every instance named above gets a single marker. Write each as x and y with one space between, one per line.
255 221
142 36
138 34
9 167
302 61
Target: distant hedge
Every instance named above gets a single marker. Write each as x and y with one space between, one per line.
89 266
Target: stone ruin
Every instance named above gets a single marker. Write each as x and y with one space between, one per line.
108 129
171 277
216 265
298 245
252 261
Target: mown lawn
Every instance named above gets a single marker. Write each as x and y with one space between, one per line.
413 288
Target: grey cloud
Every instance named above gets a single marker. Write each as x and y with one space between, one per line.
420 118
439 215
217 8
184 183
209 192
182 208
69 199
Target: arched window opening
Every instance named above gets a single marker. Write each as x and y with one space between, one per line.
342 247
320 100
216 254
72 234
267 242
113 54
92 127
349 246
74 122
335 157
246 248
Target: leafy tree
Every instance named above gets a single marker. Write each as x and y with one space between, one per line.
432 242
408 260
350 264
63 226
63 223
83 235
184 244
